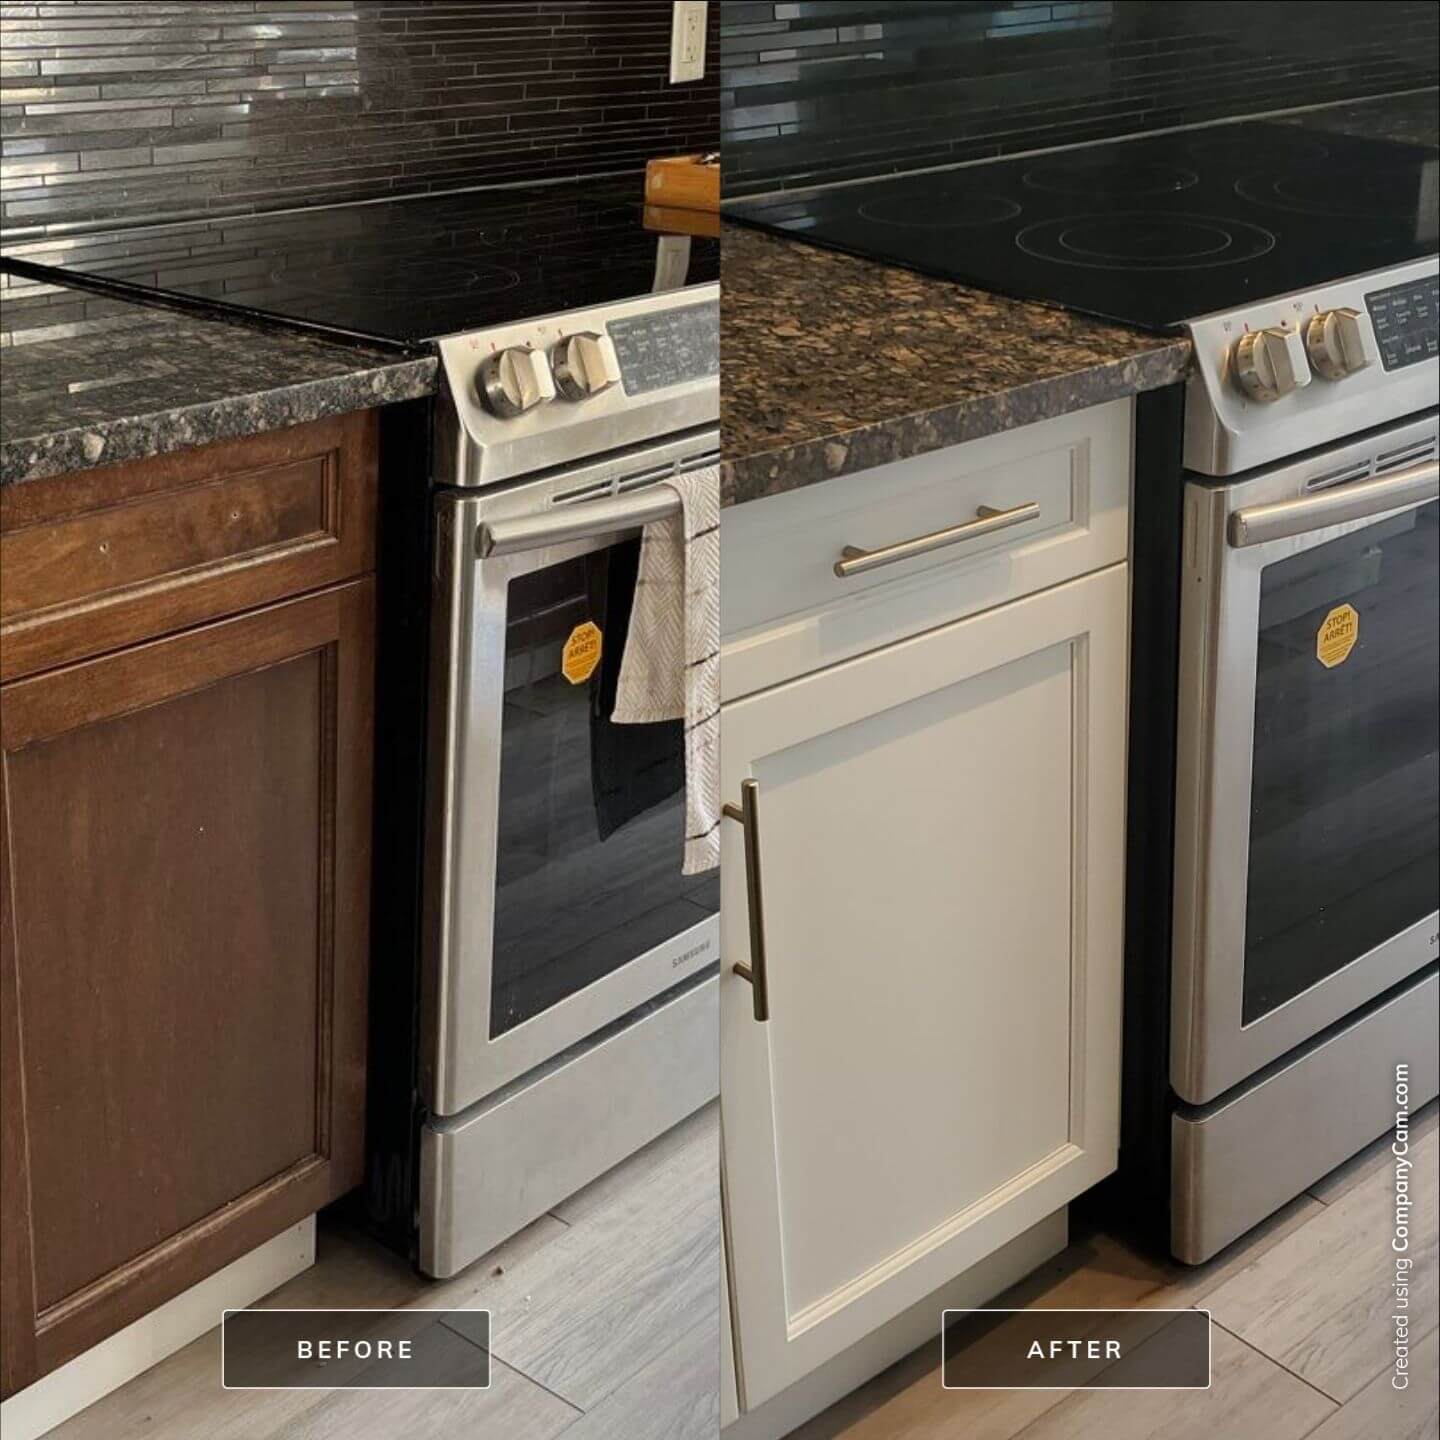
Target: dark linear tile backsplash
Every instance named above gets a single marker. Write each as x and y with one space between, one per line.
134 111
824 90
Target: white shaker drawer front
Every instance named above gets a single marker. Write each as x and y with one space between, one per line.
920 542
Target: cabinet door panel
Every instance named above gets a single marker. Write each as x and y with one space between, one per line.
185 933
940 833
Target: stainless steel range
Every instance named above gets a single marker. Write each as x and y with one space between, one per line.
1307 856
568 979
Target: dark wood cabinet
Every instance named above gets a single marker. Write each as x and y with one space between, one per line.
185 842
104 558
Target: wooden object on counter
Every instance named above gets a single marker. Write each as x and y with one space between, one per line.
669 220
683 182
185 814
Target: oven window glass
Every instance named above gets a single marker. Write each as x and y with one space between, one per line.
591 815
1344 813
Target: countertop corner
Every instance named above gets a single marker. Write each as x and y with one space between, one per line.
118 381
831 364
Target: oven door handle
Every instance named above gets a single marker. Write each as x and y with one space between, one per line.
1356 501
576 522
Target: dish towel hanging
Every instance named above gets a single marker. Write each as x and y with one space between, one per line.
671 666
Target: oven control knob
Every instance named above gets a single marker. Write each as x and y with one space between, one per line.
514 381
1271 363
1340 342
585 364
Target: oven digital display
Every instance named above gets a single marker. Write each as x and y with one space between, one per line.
1404 317
667 347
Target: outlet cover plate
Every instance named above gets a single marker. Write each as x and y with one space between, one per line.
687 41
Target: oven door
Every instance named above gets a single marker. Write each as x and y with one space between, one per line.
1307 851
555 901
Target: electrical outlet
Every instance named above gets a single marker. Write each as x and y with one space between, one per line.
687 41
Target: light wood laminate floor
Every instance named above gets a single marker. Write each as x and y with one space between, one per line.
1302 1336
606 1327
607 1312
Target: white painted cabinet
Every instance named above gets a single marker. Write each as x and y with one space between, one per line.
940 839
729 1396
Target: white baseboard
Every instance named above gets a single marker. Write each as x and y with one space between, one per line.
978 1285
55 1397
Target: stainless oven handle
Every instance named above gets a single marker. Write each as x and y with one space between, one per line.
1286 518
576 522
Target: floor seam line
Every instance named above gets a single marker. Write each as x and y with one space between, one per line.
539 1384
1265 1355
609 1394
1384 1369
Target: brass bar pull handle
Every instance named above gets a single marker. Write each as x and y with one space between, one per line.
987 521
747 812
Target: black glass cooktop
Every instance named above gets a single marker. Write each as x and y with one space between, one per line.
1150 232
400 271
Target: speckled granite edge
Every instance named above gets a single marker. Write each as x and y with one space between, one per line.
84 447
772 472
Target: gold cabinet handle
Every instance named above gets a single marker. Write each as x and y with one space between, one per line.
747 812
987 521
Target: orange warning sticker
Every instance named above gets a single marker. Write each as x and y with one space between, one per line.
1336 637
581 654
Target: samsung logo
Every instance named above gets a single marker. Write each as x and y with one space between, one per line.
690 954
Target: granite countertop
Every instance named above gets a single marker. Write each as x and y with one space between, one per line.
129 381
831 364
1413 118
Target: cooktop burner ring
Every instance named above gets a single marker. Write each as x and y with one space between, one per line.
1064 175
993 210
436 278
1346 194
1212 241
